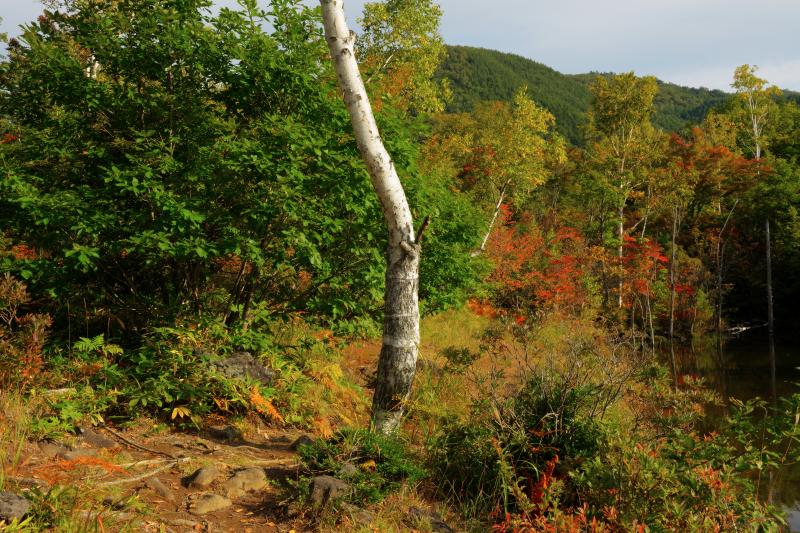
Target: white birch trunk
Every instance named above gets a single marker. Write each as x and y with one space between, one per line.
398 358
497 207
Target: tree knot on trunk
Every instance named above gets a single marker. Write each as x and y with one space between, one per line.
410 248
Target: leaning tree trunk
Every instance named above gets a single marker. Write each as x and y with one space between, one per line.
398 358
497 207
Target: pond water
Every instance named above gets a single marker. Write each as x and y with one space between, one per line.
744 372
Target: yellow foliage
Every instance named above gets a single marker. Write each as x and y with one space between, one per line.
181 412
368 466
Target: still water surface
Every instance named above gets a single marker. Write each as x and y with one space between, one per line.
745 373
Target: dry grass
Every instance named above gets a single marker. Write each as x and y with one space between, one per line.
16 414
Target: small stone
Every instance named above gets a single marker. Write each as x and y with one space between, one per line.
208 503
115 505
437 524
244 481
157 486
359 516
203 477
51 449
95 439
348 470
74 455
326 488
225 433
182 522
13 506
302 440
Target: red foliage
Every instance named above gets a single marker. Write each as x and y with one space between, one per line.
23 252
531 272
545 479
642 262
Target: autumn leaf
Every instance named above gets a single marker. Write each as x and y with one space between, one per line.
264 406
181 412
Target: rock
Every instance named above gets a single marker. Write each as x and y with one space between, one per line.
244 481
51 449
95 439
74 455
327 488
182 522
208 503
242 365
348 470
202 477
157 486
437 524
359 516
225 433
28 482
302 440
13 506
115 505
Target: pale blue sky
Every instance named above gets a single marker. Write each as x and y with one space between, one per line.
691 42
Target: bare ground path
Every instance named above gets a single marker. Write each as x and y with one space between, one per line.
141 480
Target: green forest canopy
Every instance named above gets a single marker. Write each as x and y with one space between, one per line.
478 74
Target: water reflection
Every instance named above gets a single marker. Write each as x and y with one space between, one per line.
748 367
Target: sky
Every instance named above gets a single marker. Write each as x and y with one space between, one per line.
696 43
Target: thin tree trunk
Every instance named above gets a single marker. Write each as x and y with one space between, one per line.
672 297
650 323
620 250
771 318
398 357
494 217
621 228
720 258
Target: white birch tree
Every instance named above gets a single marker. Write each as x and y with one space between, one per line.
400 346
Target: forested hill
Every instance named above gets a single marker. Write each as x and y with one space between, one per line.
479 74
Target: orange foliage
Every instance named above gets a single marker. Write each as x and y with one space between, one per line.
56 472
264 406
532 272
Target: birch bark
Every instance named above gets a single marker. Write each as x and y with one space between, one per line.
400 346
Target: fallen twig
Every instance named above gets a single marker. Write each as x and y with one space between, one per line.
150 462
146 475
136 444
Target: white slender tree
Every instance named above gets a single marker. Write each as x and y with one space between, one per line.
398 357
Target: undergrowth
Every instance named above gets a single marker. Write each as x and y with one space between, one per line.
373 464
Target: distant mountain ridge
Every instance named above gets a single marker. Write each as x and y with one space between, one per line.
477 74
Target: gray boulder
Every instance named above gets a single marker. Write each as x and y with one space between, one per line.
242 365
302 440
208 503
13 506
325 489
244 481
202 477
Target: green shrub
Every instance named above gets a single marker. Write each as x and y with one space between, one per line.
542 461
382 464
486 459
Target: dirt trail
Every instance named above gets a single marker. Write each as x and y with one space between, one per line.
141 482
